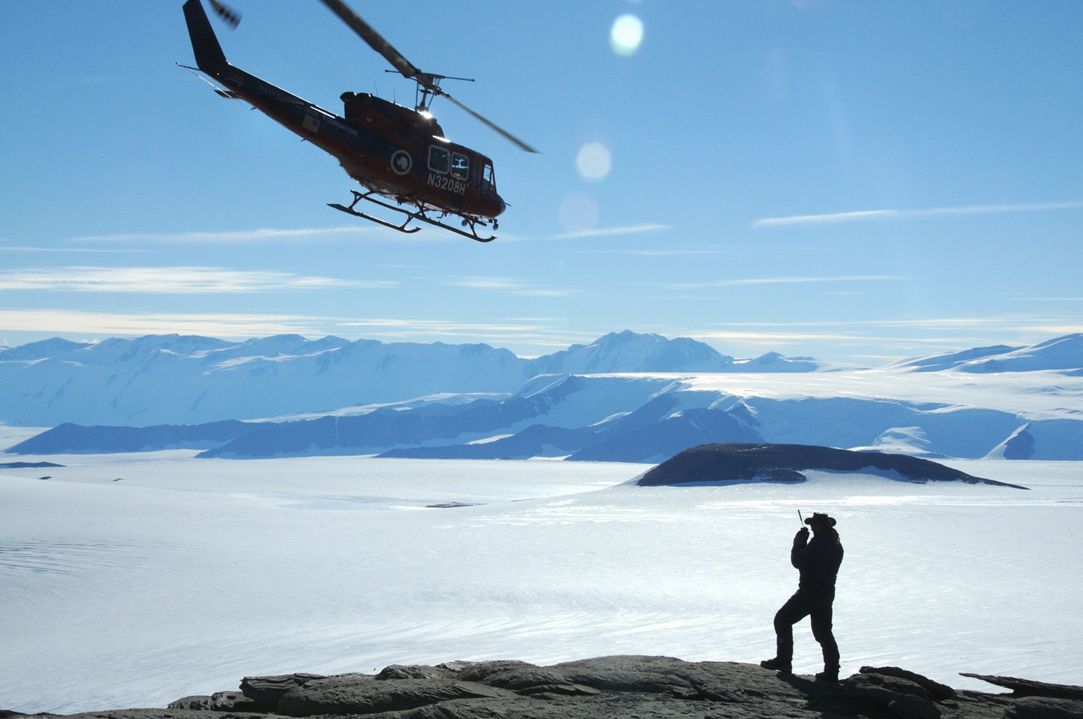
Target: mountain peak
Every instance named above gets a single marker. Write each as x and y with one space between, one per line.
40 350
624 336
628 351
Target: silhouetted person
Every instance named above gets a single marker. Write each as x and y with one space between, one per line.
818 561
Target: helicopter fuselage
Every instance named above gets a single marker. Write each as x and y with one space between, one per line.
390 149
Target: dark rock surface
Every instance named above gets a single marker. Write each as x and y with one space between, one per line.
784 462
617 686
1031 688
28 465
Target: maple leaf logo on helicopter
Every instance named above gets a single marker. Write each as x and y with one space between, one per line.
399 155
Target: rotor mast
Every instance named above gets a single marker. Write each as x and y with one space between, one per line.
428 84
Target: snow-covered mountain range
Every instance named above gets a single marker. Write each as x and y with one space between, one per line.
626 397
1059 353
176 379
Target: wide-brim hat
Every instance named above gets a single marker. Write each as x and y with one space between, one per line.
821 518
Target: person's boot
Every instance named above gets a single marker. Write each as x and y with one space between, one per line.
829 674
778 665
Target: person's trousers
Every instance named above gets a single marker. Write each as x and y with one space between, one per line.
818 609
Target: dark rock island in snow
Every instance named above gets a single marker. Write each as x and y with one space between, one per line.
727 463
611 687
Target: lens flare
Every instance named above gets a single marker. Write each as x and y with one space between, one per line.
626 35
579 212
593 161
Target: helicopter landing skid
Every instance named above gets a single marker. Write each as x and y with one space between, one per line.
418 215
357 197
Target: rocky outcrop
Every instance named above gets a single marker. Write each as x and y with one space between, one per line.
784 462
1031 688
28 465
618 686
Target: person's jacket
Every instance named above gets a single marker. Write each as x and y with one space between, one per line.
818 562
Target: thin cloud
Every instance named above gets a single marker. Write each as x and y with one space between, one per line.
659 252
508 333
266 234
787 280
1049 299
510 286
613 231
945 334
887 214
83 324
769 338
825 219
944 323
938 324
1068 328
170 280
70 250
414 326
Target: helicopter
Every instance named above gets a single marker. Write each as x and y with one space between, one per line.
399 155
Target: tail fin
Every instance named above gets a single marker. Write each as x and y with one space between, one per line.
209 55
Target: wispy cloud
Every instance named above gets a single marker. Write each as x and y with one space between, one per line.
786 280
266 234
73 250
1054 329
888 214
513 333
768 339
613 231
945 323
659 251
170 280
933 334
414 326
937 324
76 323
510 286
1049 299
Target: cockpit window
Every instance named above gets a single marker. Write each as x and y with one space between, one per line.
488 179
460 166
439 159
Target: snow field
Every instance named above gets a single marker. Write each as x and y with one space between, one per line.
186 575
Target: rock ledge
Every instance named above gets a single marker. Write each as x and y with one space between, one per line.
616 686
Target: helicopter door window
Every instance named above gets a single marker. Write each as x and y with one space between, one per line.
439 159
460 166
488 179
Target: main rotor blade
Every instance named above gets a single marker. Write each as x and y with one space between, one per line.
376 41
231 16
407 69
492 125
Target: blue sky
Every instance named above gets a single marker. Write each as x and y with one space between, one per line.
856 181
